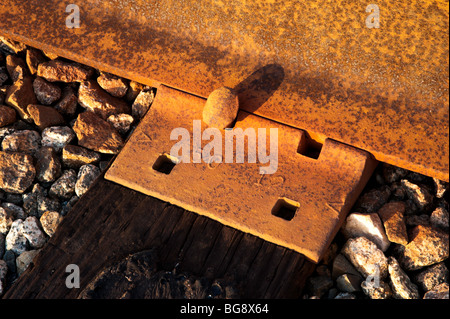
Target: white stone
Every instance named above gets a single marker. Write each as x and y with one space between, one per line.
57 137
15 240
32 232
366 257
376 289
366 225
402 286
121 122
86 176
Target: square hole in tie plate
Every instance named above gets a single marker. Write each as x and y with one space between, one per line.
310 148
285 208
165 164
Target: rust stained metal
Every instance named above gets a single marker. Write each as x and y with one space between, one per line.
320 191
313 65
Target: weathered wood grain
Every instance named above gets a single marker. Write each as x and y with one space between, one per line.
111 222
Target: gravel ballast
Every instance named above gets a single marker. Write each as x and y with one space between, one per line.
60 123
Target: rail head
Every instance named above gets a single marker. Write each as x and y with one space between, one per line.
324 67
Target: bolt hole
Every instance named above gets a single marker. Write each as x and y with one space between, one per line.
285 208
310 148
165 164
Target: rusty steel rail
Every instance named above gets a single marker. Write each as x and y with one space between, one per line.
312 65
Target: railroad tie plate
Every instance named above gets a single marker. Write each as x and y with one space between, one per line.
299 204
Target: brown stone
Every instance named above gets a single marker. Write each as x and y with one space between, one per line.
441 187
50 221
142 103
392 215
44 116
114 85
121 122
432 276
68 103
46 92
34 57
62 71
7 115
441 291
439 218
6 219
373 200
48 166
15 46
97 134
20 95
17 68
3 76
133 91
75 156
16 172
24 141
402 287
427 246
92 97
3 90
418 194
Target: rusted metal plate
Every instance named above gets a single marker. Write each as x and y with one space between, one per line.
300 206
314 65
